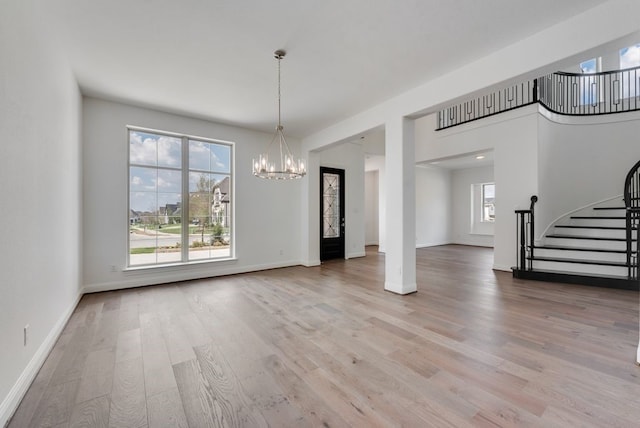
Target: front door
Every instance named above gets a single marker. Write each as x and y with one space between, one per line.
331 213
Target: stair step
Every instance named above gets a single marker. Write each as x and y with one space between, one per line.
563 247
578 261
572 226
609 281
598 217
586 237
609 208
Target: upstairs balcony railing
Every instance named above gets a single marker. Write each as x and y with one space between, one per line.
562 93
510 98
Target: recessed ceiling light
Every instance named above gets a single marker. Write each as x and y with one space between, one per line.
434 163
480 157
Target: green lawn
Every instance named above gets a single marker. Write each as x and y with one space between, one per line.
143 250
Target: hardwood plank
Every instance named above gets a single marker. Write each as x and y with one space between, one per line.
165 410
55 406
232 406
128 401
91 414
158 372
196 394
106 333
128 345
97 377
302 395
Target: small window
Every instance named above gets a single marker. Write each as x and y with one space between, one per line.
589 84
590 66
630 57
488 203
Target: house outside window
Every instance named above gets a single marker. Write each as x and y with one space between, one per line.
488 203
179 198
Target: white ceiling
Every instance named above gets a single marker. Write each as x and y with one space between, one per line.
214 59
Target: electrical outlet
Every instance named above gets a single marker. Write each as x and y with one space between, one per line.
26 331
113 268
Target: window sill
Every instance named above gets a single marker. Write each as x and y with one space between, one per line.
481 233
178 265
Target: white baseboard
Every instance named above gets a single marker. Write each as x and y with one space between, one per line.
503 268
19 389
142 278
473 244
356 254
432 244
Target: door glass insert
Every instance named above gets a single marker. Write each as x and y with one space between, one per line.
331 204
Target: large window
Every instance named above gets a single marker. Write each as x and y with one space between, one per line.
180 193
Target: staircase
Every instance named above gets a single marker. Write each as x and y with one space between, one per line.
588 248
593 246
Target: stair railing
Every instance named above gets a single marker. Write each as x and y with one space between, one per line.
583 94
588 94
500 101
632 205
525 228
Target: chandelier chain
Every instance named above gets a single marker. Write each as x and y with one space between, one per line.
279 97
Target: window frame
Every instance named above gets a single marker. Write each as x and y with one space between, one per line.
185 194
483 219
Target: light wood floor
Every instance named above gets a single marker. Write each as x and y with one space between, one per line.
326 346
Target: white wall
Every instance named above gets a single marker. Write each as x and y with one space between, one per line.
582 163
267 212
40 172
349 156
433 206
464 210
371 210
377 163
513 136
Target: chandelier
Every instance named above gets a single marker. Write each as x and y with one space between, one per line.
277 163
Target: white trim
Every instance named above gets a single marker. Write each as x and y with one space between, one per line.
355 255
177 275
565 119
401 289
473 244
432 244
150 267
502 268
11 402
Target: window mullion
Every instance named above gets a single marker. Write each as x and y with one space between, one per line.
185 200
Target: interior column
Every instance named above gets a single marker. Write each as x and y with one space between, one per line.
310 210
400 255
